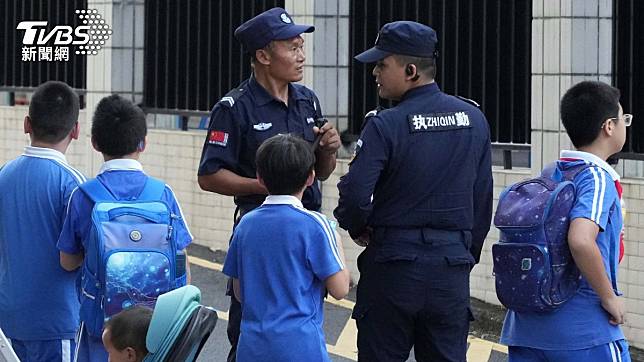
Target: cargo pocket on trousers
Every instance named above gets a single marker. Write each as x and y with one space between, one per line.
391 255
460 261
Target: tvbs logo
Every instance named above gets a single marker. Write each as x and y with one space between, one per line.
89 38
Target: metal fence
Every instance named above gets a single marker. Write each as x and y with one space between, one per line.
18 73
628 73
191 56
485 48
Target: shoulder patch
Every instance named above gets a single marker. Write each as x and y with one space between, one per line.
232 96
470 101
444 121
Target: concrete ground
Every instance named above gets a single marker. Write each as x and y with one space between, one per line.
339 328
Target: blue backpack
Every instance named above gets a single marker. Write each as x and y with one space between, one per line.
533 267
131 253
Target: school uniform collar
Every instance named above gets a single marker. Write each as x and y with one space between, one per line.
283 200
41 152
121 164
589 157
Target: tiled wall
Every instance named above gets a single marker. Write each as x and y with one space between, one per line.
327 49
571 42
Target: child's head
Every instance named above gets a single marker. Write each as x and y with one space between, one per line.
118 127
285 164
53 112
124 334
591 111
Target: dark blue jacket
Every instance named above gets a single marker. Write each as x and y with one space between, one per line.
424 163
246 117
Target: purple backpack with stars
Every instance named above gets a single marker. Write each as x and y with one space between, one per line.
533 267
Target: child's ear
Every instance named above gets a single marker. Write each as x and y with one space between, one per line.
311 179
75 131
608 126
27 125
142 144
260 180
130 354
94 145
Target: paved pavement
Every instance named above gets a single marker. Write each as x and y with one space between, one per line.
339 329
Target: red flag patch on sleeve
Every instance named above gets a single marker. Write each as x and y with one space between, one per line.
218 138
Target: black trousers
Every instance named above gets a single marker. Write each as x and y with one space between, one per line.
413 295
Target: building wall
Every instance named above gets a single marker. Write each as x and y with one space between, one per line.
174 156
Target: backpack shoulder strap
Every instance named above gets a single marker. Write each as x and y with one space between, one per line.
153 189
96 191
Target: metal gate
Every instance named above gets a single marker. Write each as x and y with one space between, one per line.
191 56
485 49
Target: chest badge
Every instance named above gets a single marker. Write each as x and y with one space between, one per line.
262 126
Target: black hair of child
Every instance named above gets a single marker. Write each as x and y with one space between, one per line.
53 111
585 107
129 328
118 127
284 163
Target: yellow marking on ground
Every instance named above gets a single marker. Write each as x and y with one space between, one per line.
205 263
222 315
346 345
479 351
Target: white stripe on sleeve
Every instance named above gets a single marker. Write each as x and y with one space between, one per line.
601 196
595 194
330 235
66 350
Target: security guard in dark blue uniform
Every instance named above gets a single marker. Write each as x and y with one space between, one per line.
418 194
260 107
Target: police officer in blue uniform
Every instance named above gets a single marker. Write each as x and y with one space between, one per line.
418 194
262 106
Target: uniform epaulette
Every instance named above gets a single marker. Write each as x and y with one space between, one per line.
470 101
371 113
232 96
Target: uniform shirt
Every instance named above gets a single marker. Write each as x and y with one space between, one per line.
125 179
282 254
246 117
581 322
38 298
424 163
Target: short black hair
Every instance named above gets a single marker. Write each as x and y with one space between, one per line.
53 111
426 66
118 126
129 328
585 107
284 162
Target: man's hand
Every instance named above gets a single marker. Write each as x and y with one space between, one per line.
364 239
330 141
615 307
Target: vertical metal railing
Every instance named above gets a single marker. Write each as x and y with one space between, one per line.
19 74
191 56
628 74
485 50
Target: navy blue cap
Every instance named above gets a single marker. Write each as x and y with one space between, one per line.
402 37
272 24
